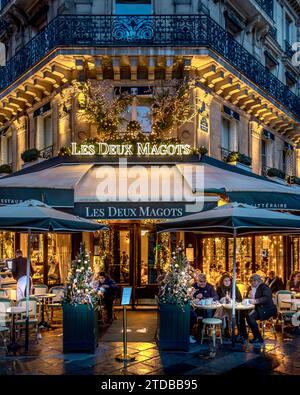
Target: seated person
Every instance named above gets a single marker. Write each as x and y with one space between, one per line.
224 292
274 282
264 306
203 290
294 282
108 288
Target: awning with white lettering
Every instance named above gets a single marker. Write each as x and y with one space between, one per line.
106 190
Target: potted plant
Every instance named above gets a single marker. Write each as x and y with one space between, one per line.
80 330
175 294
5 169
30 155
276 174
240 160
202 151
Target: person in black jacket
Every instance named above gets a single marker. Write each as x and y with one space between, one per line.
19 268
108 288
264 307
203 289
274 282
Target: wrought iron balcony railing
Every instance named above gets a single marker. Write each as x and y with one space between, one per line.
267 6
47 152
162 30
3 3
288 49
224 153
273 32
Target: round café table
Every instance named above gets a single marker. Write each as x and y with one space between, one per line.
13 311
43 297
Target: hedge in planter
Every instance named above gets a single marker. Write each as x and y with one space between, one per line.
5 169
174 304
30 155
80 327
236 156
273 172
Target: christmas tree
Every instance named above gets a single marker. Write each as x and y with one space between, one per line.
80 281
176 285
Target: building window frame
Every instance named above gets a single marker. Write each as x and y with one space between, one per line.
40 132
132 12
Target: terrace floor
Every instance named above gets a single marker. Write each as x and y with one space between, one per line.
276 357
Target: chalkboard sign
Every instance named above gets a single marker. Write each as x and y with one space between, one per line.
126 296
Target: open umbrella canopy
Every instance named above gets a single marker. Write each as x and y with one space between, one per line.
242 218
37 216
235 219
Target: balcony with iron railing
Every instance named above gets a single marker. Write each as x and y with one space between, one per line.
3 4
149 31
273 32
46 153
267 6
288 49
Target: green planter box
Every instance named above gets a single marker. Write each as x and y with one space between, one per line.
173 327
80 328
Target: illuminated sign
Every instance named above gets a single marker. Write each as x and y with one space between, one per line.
140 149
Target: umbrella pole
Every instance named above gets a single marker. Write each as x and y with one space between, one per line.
233 287
27 292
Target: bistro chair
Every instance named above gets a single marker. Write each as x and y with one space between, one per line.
263 325
4 327
34 315
56 302
212 324
284 310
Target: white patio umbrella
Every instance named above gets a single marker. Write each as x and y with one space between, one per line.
235 219
35 216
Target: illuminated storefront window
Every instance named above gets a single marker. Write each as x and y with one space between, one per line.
217 256
295 254
7 245
269 254
50 257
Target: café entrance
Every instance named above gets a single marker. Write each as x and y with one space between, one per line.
132 254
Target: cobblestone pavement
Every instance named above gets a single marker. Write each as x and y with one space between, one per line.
276 357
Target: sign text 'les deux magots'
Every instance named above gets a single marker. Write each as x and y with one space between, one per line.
129 149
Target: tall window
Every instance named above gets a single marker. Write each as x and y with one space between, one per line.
44 136
133 7
288 26
263 157
140 111
47 132
225 138
9 150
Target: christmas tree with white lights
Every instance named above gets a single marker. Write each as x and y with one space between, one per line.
176 287
80 281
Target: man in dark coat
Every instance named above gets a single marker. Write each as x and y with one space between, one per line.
264 307
18 271
274 282
108 288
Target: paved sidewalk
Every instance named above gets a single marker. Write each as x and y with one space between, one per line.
276 357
